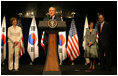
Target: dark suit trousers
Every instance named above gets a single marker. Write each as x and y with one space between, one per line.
105 61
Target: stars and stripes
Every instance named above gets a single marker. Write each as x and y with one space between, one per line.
42 40
73 43
22 50
97 38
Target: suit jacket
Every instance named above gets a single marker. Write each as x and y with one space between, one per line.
104 36
48 18
91 37
14 34
46 32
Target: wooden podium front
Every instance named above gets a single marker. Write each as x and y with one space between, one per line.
51 65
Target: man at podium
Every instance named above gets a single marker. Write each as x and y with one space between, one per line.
52 25
52 12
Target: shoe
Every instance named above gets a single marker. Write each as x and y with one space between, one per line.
86 63
93 69
60 63
16 69
10 69
30 63
73 63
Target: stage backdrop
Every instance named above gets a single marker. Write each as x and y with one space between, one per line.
81 8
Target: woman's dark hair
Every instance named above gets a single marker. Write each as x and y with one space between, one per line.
90 23
12 19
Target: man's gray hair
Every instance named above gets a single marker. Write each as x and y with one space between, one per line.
52 7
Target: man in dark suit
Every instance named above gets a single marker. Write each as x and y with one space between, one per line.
104 32
52 12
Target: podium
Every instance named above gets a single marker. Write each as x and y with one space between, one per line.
52 27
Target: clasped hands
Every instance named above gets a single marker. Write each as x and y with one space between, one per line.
16 43
90 43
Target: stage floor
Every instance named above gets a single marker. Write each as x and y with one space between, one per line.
37 69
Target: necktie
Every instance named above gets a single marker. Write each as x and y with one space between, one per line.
101 27
51 17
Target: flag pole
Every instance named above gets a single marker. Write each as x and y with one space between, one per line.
73 14
2 47
20 16
61 49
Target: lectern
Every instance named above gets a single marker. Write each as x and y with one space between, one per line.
52 27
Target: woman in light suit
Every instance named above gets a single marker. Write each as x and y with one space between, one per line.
91 45
14 38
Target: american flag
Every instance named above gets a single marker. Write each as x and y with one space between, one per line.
97 38
42 42
22 50
73 43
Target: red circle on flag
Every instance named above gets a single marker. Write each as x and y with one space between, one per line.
3 39
62 38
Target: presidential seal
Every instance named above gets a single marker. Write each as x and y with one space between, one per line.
52 23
